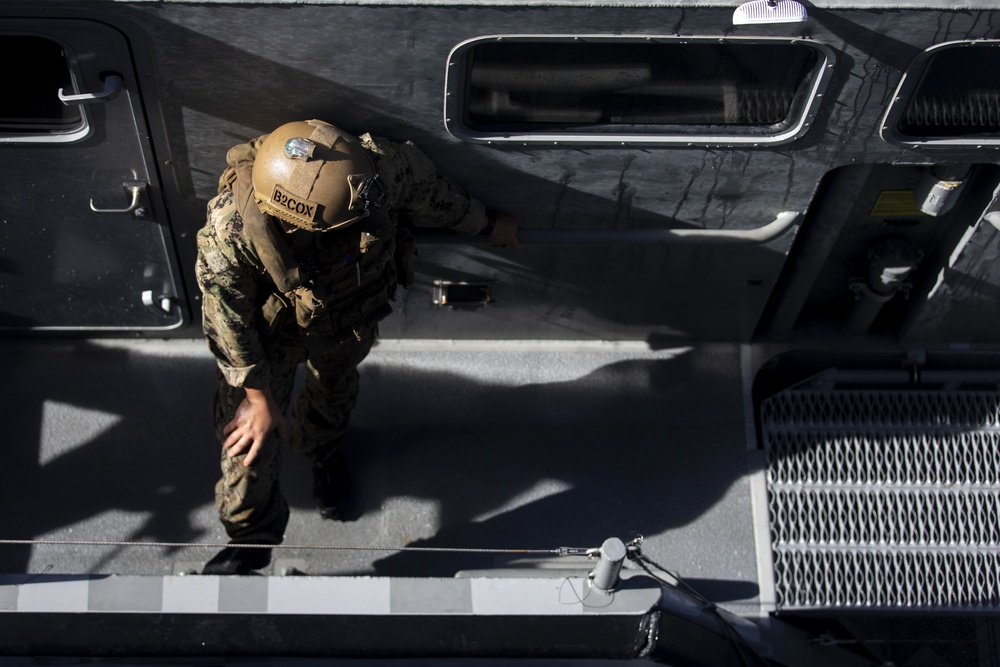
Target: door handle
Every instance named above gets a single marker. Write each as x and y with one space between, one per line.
138 191
112 86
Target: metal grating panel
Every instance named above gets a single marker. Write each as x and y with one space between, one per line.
884 498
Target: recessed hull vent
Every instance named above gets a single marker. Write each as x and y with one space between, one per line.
462 294
884 499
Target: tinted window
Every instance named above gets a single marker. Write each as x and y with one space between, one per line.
36 68
615 86
958 95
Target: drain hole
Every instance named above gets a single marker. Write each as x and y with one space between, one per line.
462 293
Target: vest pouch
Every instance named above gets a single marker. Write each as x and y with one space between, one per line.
348 323
349 301
274 312
370 322
376 308
308 309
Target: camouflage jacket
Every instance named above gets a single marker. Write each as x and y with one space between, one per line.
235 284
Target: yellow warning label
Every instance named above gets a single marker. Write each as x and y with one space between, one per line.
895 203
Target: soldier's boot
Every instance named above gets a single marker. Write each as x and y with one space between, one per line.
238 560
332 488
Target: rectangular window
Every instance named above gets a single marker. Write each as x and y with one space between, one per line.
36 68
949 96
632 89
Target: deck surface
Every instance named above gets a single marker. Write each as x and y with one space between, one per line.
478 445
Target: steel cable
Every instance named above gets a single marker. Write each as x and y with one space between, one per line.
560 551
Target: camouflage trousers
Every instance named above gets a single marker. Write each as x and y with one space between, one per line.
249 500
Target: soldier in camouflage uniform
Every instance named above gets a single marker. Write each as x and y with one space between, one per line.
298 261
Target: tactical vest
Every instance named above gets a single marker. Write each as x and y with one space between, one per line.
337 283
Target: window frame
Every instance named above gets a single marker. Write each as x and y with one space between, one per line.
77 133
743 136
909 84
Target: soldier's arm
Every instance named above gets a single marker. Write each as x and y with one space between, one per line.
229 308
417 189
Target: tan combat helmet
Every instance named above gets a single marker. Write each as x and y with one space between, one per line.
315 176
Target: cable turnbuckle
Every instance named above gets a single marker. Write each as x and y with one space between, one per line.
579 551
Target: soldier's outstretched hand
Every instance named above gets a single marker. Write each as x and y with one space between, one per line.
505 232
256 417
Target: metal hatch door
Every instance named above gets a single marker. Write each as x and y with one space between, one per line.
84 239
